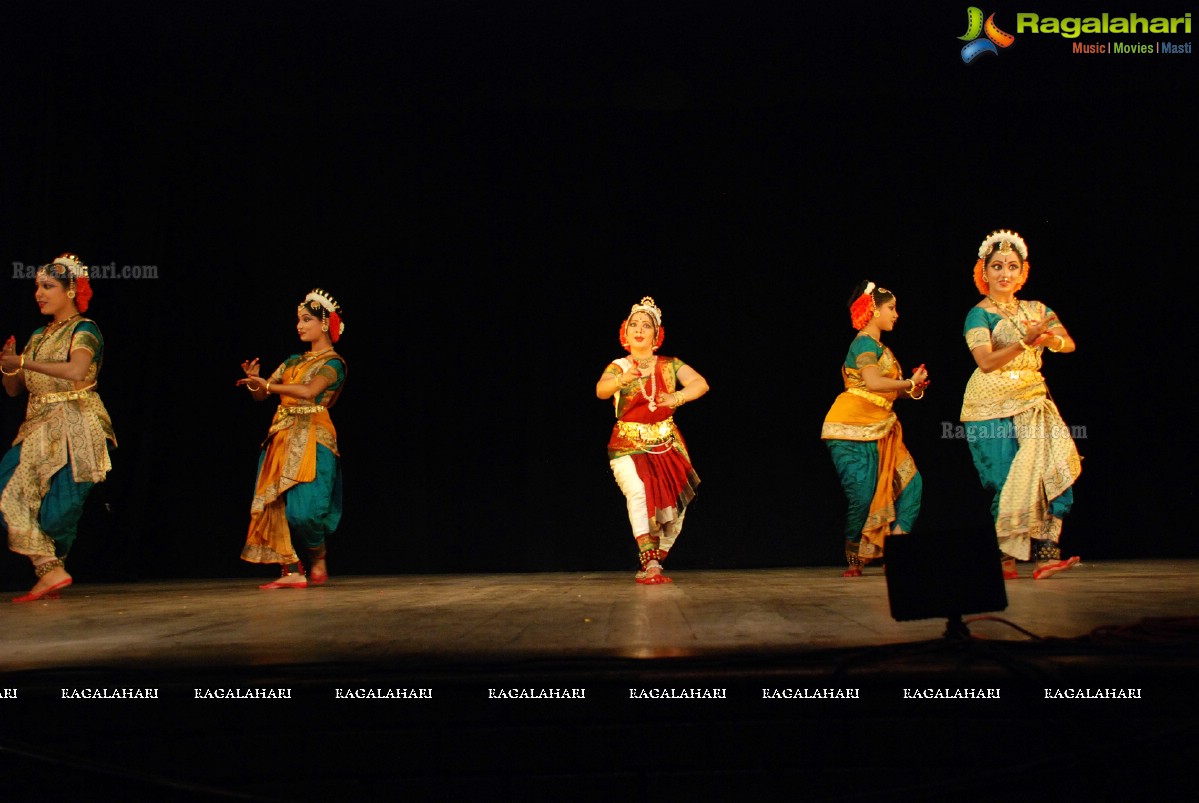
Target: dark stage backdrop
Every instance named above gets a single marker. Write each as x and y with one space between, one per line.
487 191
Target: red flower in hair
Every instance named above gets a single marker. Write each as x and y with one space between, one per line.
862 311
83 293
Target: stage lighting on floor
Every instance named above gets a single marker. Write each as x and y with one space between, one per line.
944 575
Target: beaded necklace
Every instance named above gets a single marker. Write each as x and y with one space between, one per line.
653 390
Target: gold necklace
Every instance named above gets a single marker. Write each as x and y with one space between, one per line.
1009 307
56 325
646 363
307 359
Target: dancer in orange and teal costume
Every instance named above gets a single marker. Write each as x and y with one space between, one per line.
1023 451
878 475
62 448
298 493
646 451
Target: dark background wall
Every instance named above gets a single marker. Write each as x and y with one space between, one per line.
488 190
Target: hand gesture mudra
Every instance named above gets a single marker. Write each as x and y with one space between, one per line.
252 379
1038 330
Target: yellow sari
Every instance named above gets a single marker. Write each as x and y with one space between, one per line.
862 415
289 459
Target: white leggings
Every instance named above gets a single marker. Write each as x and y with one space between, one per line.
625 471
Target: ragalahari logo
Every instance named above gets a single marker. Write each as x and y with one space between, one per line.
975 27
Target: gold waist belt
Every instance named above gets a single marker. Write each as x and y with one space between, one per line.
313 408
873 398
61 396
648 434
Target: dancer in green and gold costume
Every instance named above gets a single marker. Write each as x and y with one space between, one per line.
61 450
1023 451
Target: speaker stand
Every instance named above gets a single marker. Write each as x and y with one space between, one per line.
956 630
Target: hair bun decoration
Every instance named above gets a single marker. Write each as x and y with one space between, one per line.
71 268
862 309
330 311
1006 240
651 309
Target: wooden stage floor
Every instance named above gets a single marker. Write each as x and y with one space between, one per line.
589 686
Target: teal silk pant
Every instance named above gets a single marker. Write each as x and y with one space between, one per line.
314 508
857 466
62 506
993 446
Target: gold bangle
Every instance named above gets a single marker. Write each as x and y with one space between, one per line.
1060 340
6 373
1025 346
917 398
268 388
21 367
913 387
679 398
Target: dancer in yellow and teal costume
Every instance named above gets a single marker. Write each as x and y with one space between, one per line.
297 497
863 435
1022 449
61 450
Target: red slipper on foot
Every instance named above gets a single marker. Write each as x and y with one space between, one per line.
1045 572
53 592
654 578
277 584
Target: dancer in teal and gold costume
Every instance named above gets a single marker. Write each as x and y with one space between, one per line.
1023 451
61 450
878 475
646 452
298 493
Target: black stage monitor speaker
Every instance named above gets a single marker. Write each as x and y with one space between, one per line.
944 575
